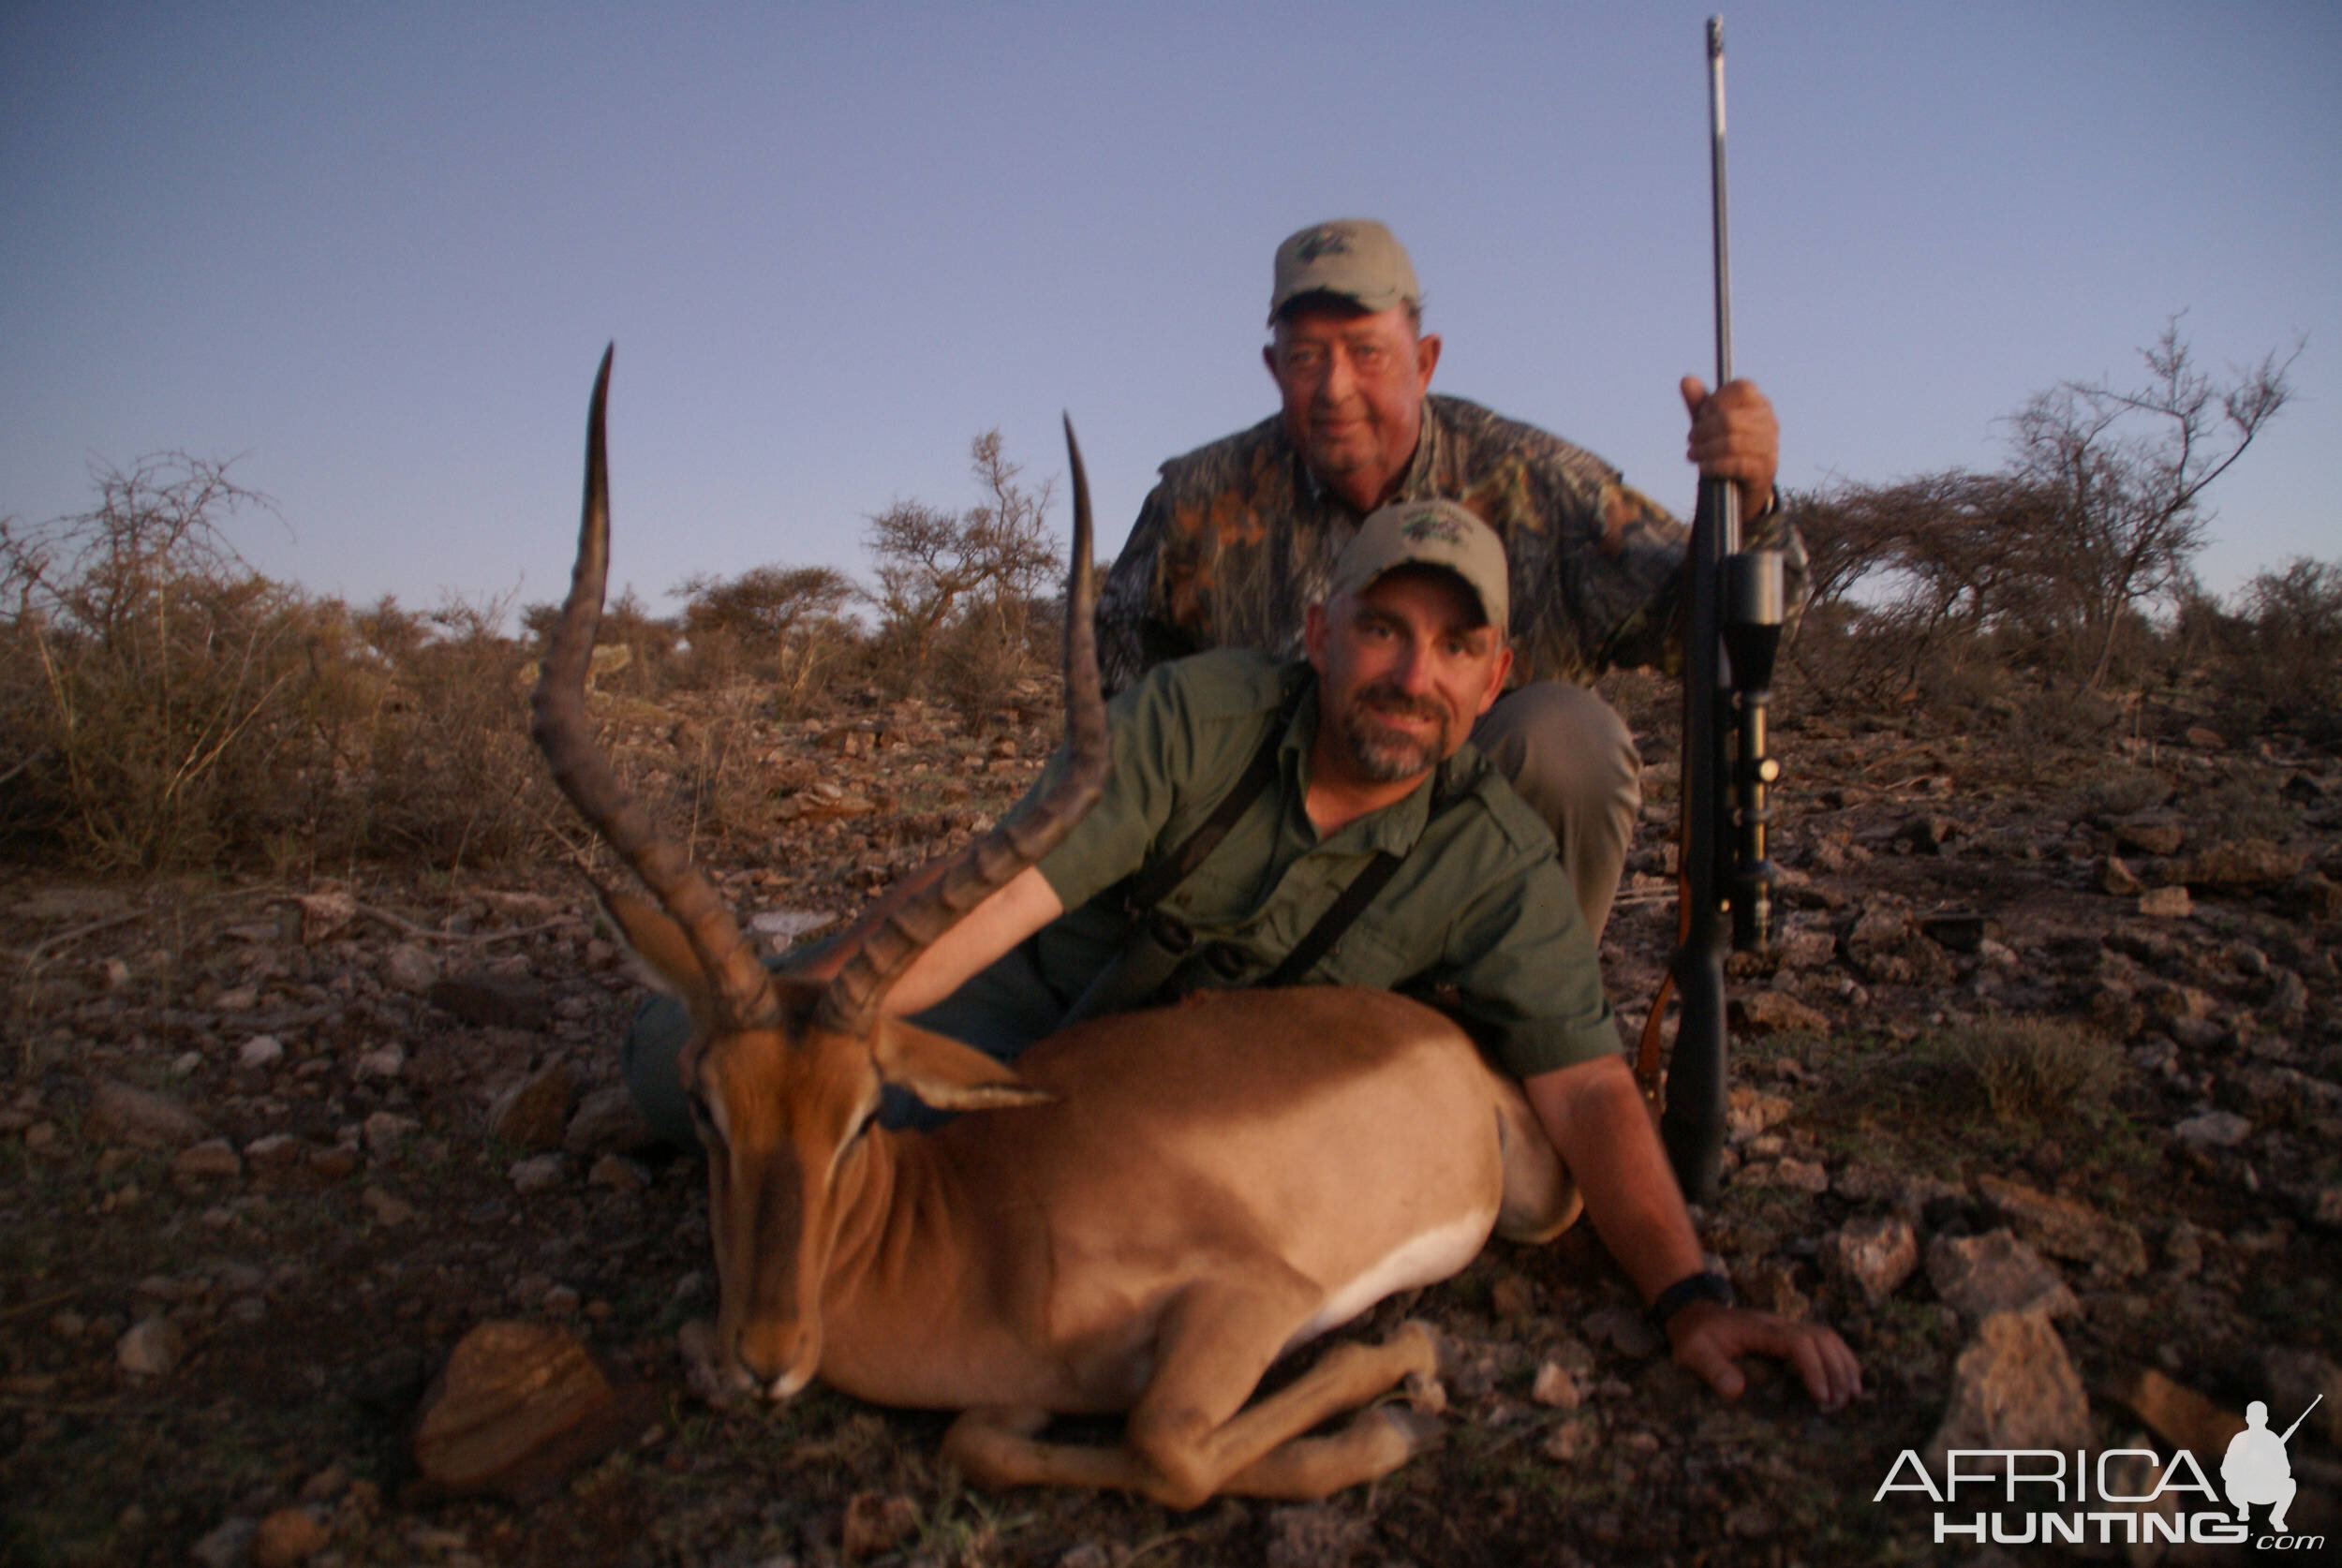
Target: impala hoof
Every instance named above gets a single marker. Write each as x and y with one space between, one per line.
1421 1431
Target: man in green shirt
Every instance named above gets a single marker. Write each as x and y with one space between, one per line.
1366 764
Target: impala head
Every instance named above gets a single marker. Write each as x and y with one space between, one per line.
784 1074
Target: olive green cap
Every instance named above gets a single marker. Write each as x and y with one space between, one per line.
1355 257
1434 533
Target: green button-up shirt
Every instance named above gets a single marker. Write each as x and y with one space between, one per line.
1479 917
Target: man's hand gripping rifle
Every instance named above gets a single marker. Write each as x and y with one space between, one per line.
1733 615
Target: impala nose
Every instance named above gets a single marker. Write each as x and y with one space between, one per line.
779 1356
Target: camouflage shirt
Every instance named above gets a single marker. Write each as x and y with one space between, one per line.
1239 539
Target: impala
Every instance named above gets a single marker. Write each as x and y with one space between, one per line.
1141 1216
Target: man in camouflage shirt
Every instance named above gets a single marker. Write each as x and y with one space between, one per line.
1240 536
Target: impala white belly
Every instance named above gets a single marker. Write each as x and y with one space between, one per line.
1422 1259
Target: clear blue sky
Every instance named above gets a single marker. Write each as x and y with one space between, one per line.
376 249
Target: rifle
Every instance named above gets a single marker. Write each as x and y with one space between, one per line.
1733 614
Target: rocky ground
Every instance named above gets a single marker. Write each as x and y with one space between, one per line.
2038 1101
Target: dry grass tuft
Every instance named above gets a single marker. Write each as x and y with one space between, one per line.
2032 1067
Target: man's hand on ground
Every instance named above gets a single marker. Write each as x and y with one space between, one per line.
1709 1340
1734 437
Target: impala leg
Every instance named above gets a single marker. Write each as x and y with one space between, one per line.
997 1447
1197 1455
1304 1469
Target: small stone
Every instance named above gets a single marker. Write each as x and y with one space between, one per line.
325 912
560 1301
2166 903
386 1209
1803 1176
1764 1013
228 1545
2213 1130
387 1061
1513 1299
1981 1274
2183 1248
112 973
150 1349
493 1001
608 1121
287 1537
2155 833
1558 1387
618 1173
213 1159
876 1522
2325 1206
120 1114
1571 1441
1876 1254
262 1050
1627 1332
539 1173
275 1151
383 1130
535 1111
327 1485
409 969
334 1164
1748 1114
2013 1386
2117 877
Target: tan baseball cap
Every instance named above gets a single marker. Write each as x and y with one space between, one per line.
1355 257
1437 534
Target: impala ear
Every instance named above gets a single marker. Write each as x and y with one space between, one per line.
947 1074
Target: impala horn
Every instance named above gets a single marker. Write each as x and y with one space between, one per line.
743 990
851 1004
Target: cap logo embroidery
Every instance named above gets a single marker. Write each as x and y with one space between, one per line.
1322 242
1429 525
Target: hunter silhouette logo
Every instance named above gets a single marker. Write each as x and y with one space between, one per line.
1431 524
1323 241
2255 1469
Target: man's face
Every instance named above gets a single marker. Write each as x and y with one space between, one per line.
1353 384
1403 669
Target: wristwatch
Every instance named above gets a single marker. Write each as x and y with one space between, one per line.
1703 1286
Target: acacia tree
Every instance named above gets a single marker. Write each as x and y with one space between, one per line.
937 568
2128 469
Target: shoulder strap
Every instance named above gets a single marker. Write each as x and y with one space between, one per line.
1320 937
1154 883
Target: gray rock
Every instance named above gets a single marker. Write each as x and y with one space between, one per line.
384 1128
1983 1275
2166 903
261 1051
409 969
2014 1387
2213 1130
